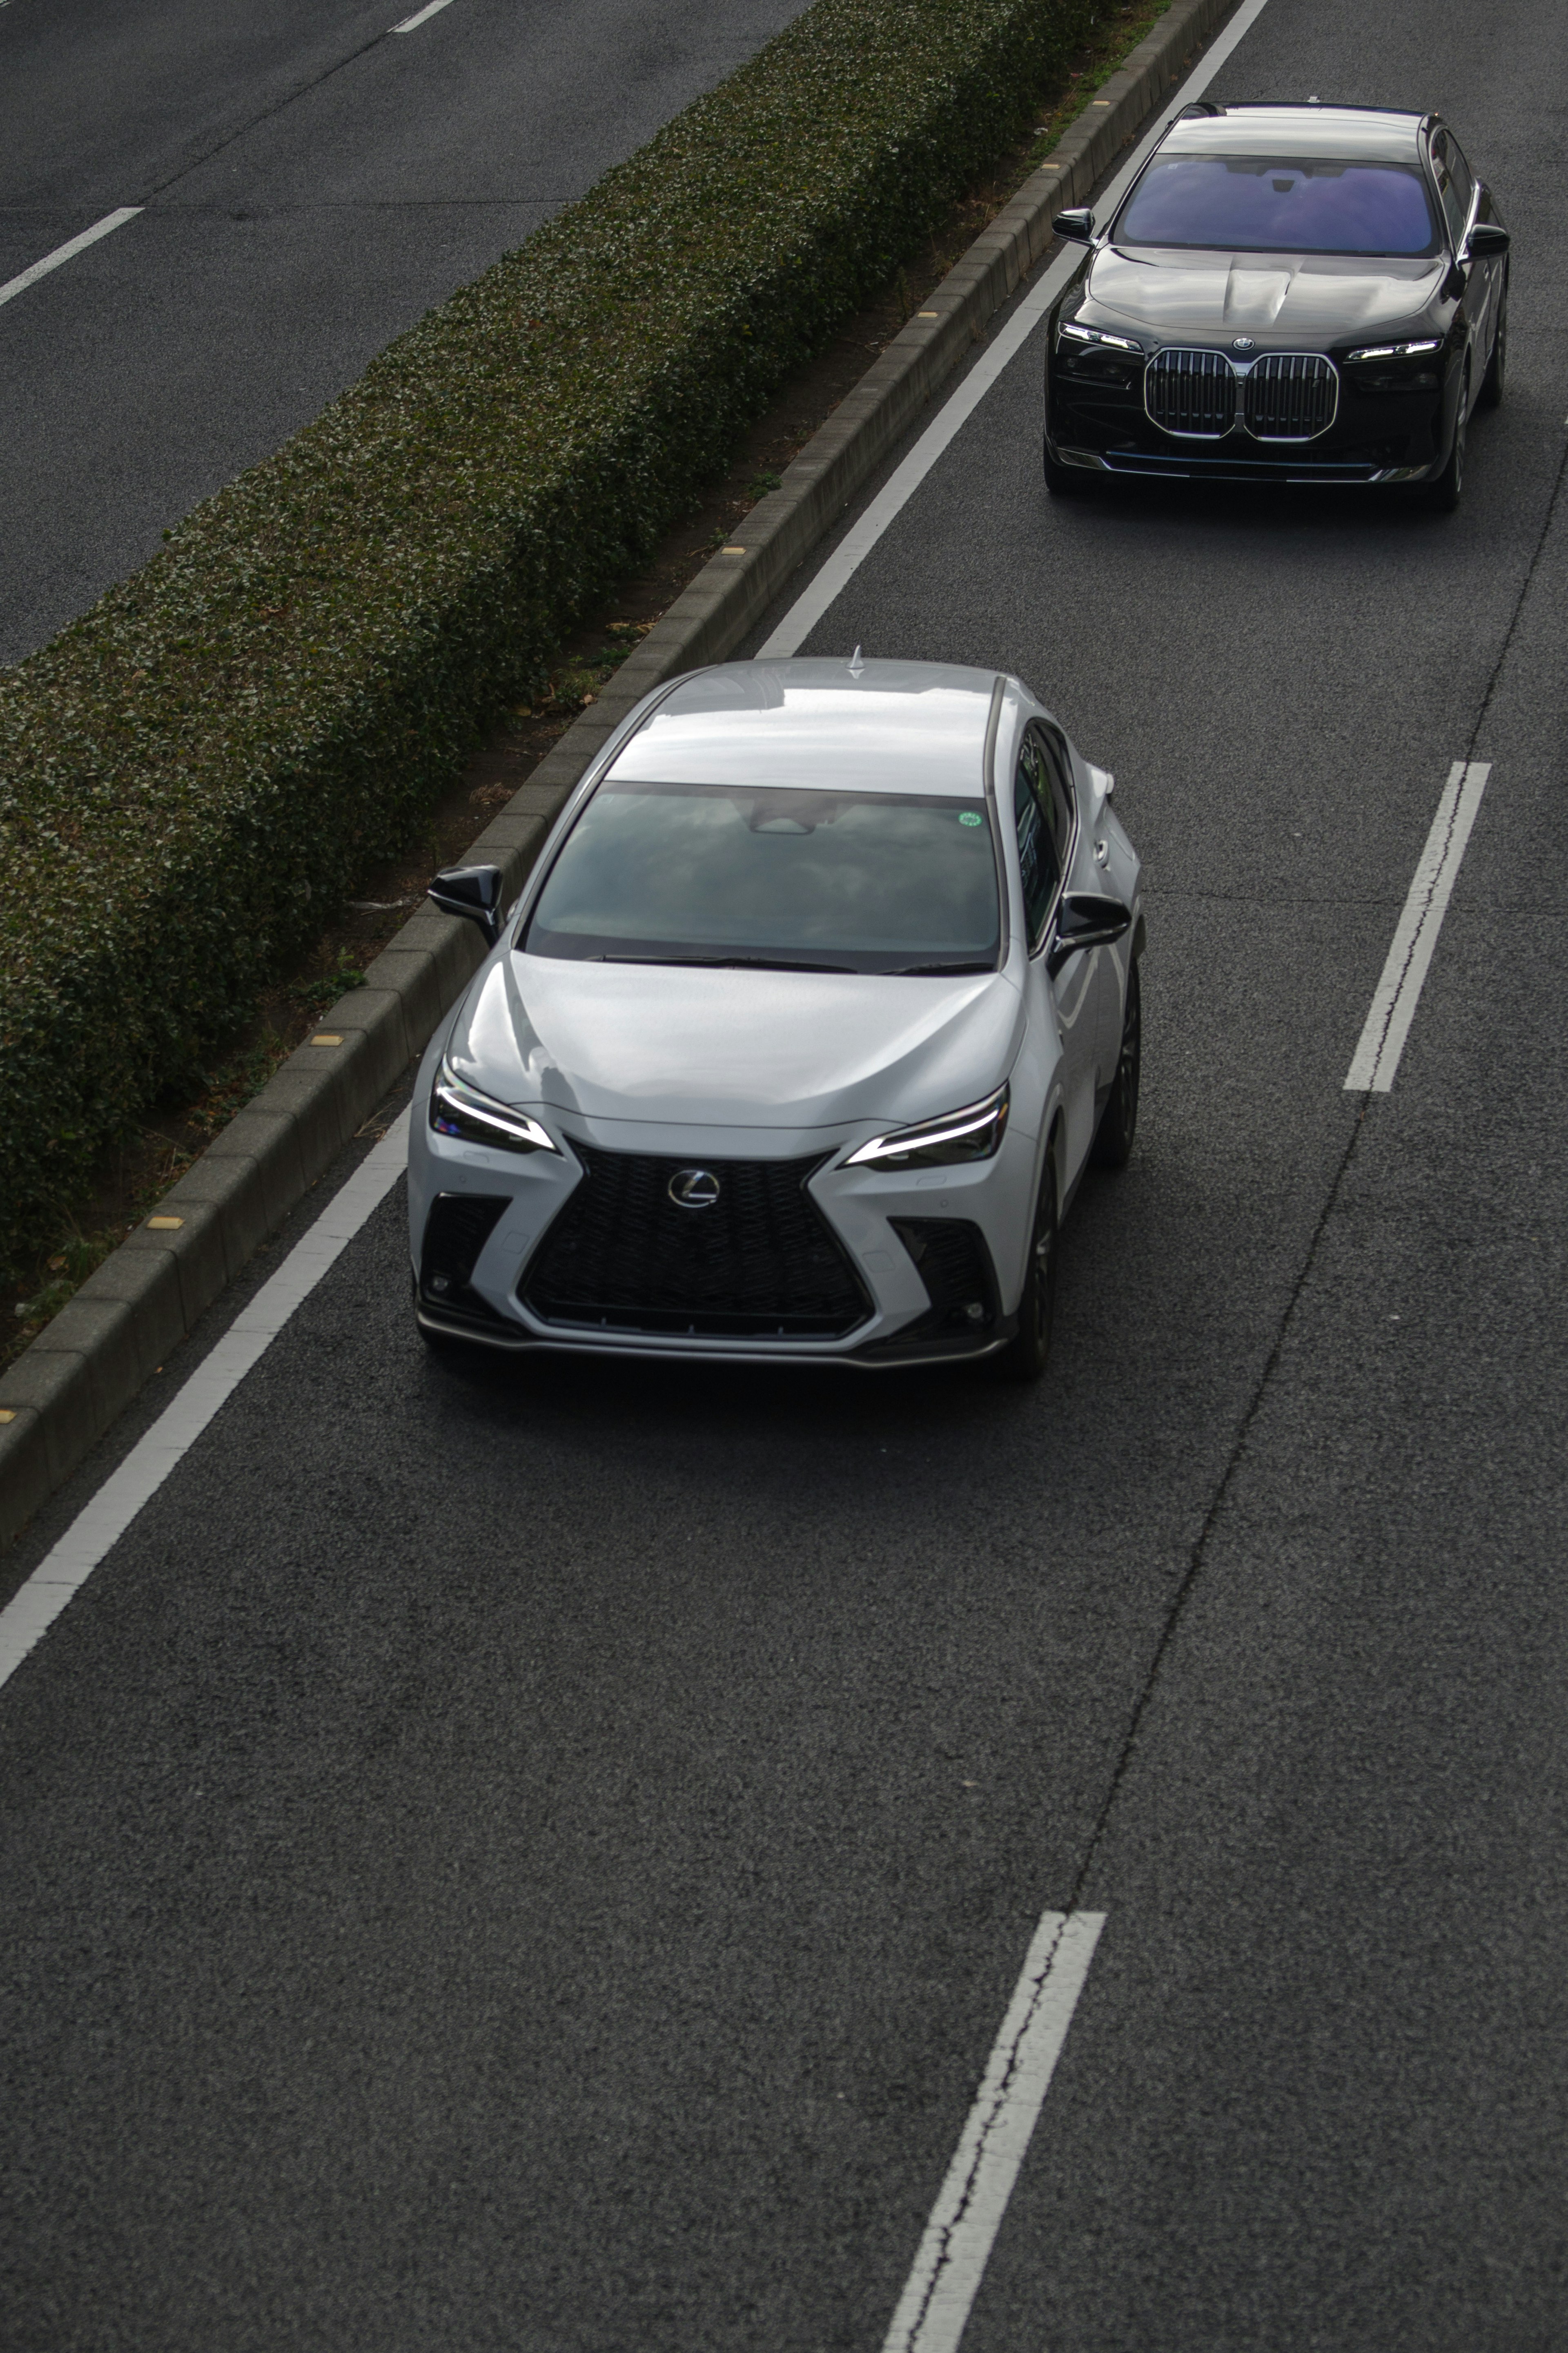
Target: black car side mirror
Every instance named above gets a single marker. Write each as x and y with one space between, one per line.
1486 237
471 891
1084 920
1076 227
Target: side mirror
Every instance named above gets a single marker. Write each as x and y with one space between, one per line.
1084 920
1076 227
471 891
1486 237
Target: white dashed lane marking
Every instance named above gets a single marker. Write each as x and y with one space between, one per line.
73 245
1398 993
935 2307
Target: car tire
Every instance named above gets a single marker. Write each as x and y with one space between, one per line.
1491 391
1025 1356
1446 491
1062 481
1112 1147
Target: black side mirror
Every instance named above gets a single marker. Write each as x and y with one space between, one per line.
1084 920
1076 227
471 891
1486 237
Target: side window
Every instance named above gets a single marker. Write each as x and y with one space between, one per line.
1064 808
1454 183
1037 856
1463 181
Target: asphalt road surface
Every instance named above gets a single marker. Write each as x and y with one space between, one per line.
539 1858
311 184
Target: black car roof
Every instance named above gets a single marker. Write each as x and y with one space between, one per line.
1341 133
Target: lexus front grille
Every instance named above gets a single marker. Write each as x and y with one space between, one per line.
1191 392
758 1261
1290 396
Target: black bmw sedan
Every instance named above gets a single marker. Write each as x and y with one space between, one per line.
1289 293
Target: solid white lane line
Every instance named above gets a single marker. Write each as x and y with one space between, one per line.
1398 993
411 24
856 546
100 1524
63 252
934 2307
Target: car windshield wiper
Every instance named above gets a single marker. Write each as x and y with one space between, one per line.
730 963
901 970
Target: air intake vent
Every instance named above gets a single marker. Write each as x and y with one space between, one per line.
458 1227
1191 392
1291 396
955 1267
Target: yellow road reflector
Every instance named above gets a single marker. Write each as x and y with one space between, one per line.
166 1225
734 551
6 1413
327 1038
927 314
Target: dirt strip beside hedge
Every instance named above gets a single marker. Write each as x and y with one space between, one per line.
68 1386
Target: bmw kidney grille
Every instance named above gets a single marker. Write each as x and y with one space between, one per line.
1284 396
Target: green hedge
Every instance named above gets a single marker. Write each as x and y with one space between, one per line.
194 775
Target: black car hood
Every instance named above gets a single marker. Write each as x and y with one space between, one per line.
1314 297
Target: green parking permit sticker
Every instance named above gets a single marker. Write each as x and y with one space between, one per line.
969 817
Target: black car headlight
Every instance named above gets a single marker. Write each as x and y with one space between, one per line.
459 1110
1396 351
1070 331
1395 367
973 1133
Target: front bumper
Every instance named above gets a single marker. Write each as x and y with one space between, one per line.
1097 419
819 1264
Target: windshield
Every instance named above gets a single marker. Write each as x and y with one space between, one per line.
738 874
1244 204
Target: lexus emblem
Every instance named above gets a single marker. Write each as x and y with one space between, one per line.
1244 343
694 1189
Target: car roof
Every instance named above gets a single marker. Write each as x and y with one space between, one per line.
880 726
1338 134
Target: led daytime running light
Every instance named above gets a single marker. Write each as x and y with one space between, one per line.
1099 335
1396 351
459 1110
973 1133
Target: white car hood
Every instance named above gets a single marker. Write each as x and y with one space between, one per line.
1176 293
675 1045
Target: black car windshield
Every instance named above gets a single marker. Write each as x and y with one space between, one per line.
1246 204
793 879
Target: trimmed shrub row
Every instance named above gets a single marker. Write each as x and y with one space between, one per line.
194 774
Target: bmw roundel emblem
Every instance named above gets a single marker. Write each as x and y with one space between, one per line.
1244 343
694 1189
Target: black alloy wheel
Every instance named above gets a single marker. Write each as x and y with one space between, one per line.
1492 383
1112 1145
1445 492
1024 1358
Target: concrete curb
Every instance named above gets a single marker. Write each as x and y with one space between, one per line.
78 1375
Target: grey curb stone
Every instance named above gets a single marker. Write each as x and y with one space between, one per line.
84 1369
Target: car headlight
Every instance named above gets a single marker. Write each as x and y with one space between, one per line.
1396 351
1070 331
974 1134
458 1109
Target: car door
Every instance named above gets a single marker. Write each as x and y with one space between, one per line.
1045 817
